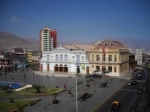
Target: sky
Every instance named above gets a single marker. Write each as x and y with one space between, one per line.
77 20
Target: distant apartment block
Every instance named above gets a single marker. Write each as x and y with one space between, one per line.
48 39
140 56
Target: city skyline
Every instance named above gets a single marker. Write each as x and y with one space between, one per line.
75 21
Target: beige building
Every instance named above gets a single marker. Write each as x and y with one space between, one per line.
108 55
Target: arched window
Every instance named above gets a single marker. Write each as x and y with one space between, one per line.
82 58
48 57
51 58
92 57
66 58
78 58
56 57
73 58
61 57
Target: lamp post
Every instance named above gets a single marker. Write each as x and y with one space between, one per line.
24 79
5 76
76 95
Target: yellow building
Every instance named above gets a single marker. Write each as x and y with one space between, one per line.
29 56
111 56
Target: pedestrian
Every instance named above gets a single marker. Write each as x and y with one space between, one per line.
12 80
64 86
33 73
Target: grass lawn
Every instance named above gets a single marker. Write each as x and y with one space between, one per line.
5 106
31 91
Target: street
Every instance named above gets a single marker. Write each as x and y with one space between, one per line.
125 95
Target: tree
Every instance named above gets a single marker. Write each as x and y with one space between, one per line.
92 80
55 101
87 83
5 88
11 100
37 88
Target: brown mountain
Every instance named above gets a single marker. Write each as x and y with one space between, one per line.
8 40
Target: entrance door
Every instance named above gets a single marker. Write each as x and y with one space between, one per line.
48 67
87 70
65 68
103 69
78 69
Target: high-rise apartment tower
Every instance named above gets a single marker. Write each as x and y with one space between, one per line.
48 39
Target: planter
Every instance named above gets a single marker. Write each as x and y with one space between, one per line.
55 101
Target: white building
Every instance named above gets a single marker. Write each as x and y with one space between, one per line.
140 56
69 58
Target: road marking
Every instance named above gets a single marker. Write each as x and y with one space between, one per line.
107 98
128 90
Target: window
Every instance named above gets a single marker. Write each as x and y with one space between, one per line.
115 58
110 57
61 57
82 58
78 58
47 57
51 58
110 68
97 57
72 58
103 57
56 57
92 57
66 58
114 69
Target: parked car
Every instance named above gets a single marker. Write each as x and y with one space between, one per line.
133 82
115 105
96 76
97 72
84 96
104 84
135 70
139 77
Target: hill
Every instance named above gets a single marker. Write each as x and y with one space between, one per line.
8 40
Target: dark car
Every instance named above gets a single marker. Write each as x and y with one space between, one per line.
104 84
135 70
115 105
96 76
84 96
134 82
139 77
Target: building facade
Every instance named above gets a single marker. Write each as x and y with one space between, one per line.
111 56
48 39
140 56
69 59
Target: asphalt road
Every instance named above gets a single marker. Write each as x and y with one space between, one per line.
125 95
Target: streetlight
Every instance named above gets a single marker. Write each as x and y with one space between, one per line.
5 76
76 95
24 79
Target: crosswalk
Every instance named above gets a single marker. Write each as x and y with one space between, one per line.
137 80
